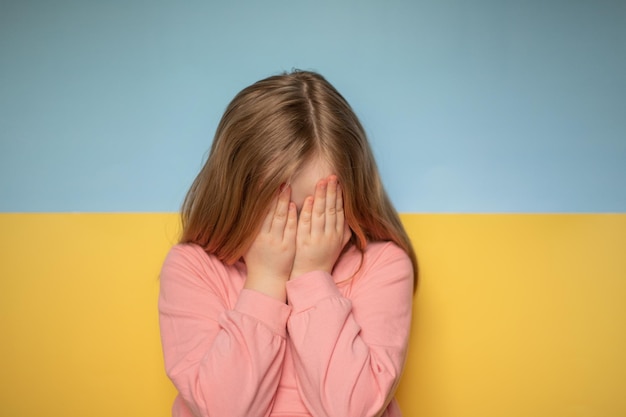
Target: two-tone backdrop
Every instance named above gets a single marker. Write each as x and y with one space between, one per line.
499 128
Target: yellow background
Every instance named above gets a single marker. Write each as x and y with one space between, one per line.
516 315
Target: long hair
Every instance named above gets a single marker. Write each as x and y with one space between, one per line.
268 132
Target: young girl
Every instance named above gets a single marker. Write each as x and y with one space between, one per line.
290 292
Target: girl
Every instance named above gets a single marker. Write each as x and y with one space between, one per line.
290 292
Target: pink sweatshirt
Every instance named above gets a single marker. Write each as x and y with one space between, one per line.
336 349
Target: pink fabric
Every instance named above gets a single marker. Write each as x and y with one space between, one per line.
337 347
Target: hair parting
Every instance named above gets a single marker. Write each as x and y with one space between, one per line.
266 135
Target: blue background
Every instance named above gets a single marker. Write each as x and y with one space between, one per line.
471 106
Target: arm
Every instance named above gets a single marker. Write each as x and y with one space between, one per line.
227 361
224 360
349 353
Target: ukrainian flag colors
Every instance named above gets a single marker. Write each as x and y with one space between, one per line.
505 121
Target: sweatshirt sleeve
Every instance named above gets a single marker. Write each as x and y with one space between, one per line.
349 353
224 361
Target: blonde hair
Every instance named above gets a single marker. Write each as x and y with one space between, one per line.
268 132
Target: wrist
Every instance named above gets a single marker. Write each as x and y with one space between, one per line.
296 272
269 285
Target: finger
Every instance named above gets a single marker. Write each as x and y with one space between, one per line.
339 208
319 206
331 204
304 222
280 214
292 223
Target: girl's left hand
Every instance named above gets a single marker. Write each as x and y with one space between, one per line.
321 232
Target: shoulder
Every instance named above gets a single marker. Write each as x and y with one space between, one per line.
385 272
186 251
377 253
388 257
380 262
190 260
186 254
193 280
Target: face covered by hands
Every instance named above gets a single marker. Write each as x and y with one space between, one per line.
289 245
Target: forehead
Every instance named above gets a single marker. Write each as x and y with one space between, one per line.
315 168
303 182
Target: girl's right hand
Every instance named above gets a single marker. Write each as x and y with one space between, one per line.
270 257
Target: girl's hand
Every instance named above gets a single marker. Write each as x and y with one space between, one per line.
321 231
270 257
